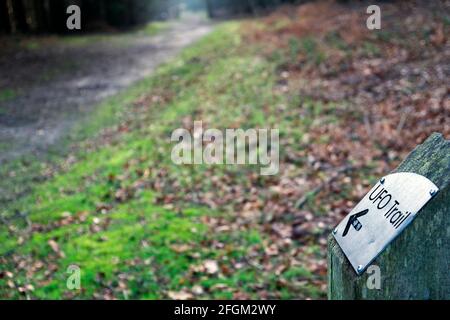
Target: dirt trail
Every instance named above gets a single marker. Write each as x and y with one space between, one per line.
55 84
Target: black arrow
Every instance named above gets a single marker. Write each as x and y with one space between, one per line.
353 221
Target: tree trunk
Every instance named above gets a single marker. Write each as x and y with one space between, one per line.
20 16
58 16
12 19
210 9
102 10
4 17
40 15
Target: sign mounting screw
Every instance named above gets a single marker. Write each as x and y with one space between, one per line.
360 267
335 230
382 180
433 192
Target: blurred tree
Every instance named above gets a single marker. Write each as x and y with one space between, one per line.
57 15
17 17
4 17
25 16
217 8
210 9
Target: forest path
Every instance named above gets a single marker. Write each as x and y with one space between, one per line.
51 83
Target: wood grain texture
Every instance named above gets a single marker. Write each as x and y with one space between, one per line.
416 265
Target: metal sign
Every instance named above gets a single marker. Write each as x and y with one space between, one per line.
381 216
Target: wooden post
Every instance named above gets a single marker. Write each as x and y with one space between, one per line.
416 265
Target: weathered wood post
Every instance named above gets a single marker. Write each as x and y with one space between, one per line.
416 265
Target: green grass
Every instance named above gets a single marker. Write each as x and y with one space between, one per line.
308 47
119 38
154 28
334 39
127 247
370 50
7 94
